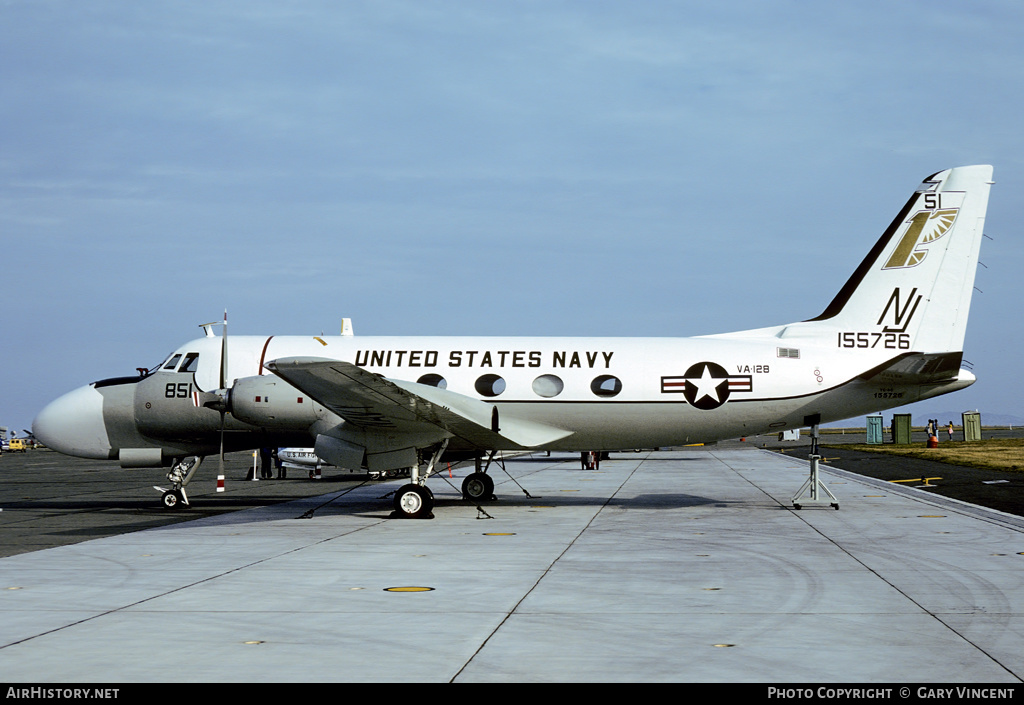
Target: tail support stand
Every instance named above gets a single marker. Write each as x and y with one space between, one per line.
813 491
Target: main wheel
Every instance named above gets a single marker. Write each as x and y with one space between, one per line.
414 502
478 487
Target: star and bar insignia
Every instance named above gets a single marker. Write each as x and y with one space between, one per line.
706 385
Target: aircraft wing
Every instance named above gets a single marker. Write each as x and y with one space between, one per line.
369 400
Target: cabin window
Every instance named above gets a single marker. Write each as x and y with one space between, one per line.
606 386
173 362
548 386
434 381
490 385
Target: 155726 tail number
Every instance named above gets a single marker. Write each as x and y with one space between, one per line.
888 341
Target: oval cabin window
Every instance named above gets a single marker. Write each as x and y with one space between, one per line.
548 386
606 386
490 385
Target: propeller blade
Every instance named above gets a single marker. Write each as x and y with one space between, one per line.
223 383
224 354
220 462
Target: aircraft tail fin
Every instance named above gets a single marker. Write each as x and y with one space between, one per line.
913 290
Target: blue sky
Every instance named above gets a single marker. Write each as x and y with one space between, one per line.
521 168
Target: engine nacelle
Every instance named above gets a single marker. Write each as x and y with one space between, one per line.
269 402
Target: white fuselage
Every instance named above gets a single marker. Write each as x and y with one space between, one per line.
611 392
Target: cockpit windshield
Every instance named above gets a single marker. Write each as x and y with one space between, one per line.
190 363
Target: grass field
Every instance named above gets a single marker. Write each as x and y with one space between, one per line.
995 454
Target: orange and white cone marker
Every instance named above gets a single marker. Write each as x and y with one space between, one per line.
220 483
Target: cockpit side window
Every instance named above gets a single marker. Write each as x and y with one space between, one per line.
190 363
173 362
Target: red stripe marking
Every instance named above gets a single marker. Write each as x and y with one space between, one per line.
263 355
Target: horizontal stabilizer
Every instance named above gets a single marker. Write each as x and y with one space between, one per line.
916 368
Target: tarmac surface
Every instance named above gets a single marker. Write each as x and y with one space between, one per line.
683 565
48 499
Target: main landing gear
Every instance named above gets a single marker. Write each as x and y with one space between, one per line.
415 500
479 486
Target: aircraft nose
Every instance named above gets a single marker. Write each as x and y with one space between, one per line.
73 425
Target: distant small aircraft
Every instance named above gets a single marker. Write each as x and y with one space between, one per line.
302 458
892 335
307 459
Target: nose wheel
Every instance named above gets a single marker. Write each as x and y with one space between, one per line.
174 499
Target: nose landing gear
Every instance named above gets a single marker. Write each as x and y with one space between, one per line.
180 475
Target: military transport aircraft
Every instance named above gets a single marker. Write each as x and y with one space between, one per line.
892 335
